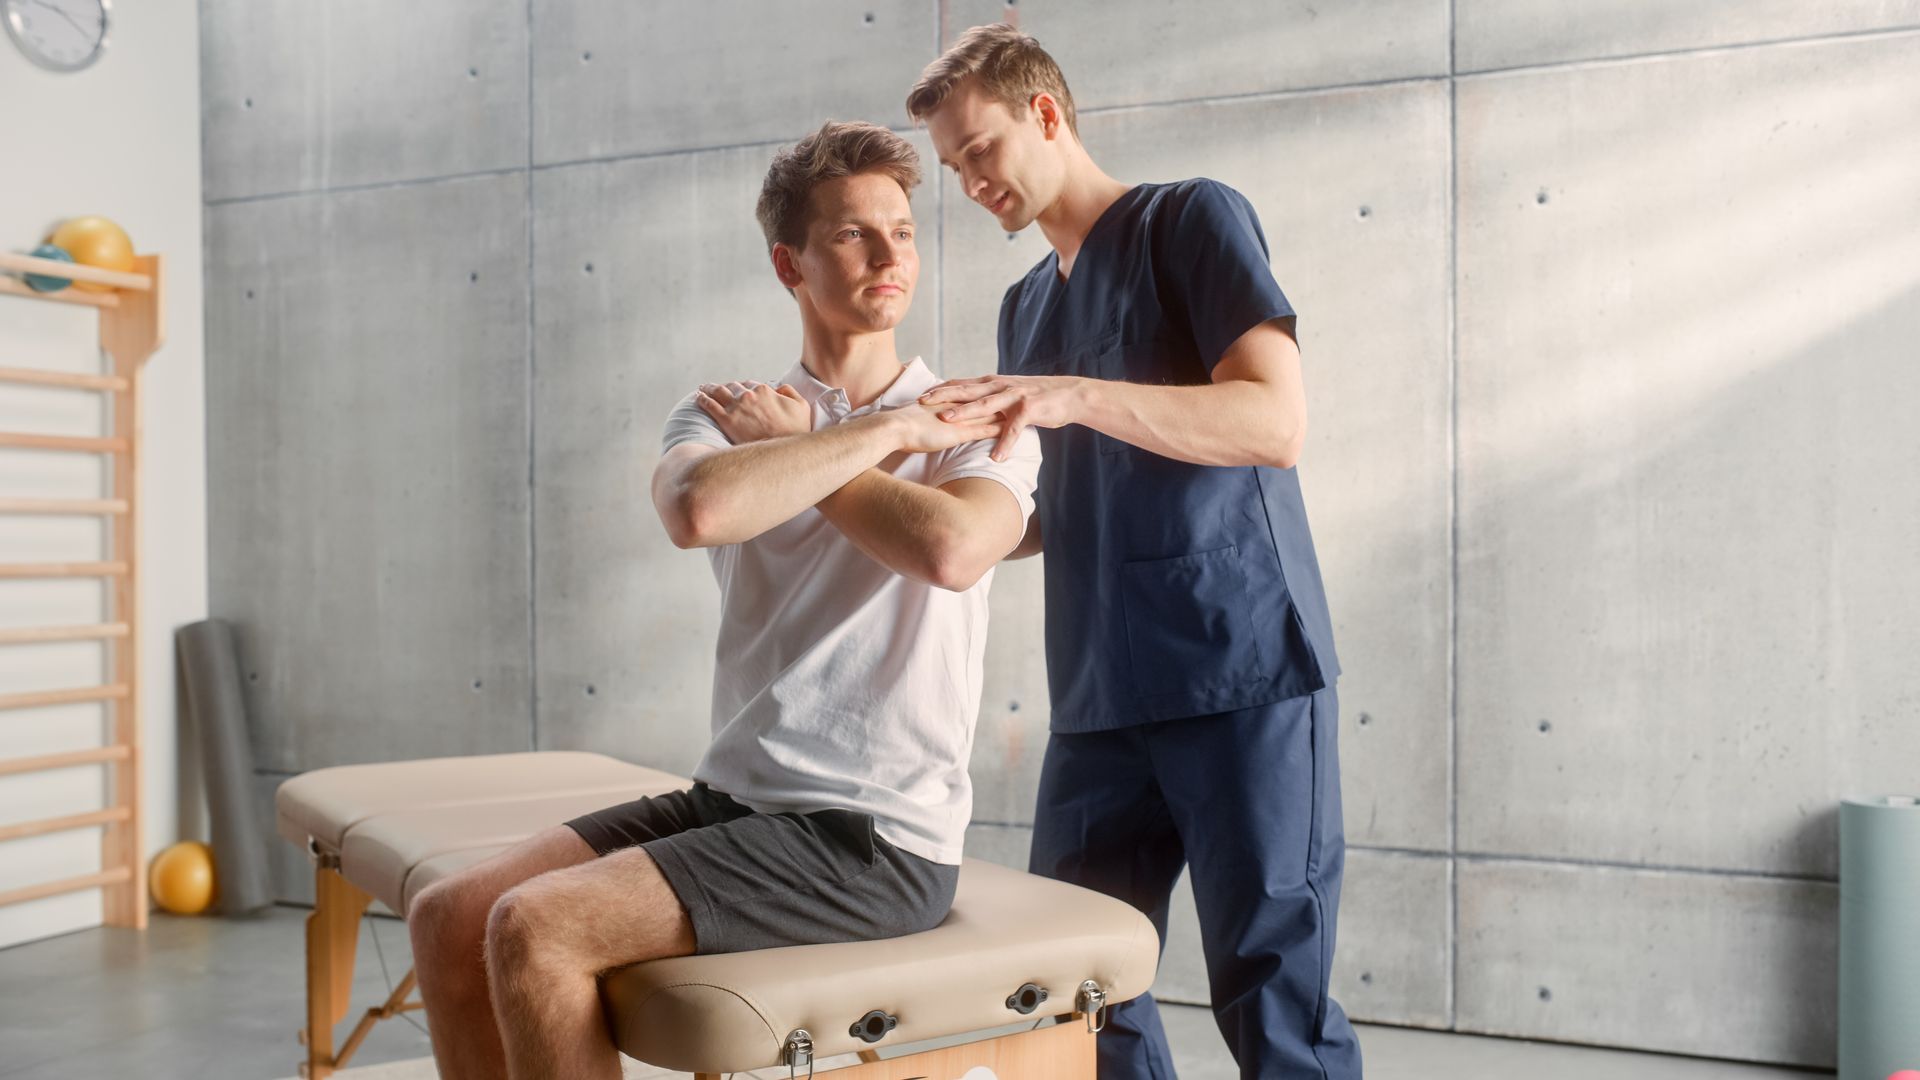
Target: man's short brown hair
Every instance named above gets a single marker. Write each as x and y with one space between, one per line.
838 149
1011 66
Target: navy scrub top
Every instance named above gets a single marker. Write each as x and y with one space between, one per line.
1172 590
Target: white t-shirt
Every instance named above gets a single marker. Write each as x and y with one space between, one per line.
838 682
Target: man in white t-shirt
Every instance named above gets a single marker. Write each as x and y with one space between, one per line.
853 534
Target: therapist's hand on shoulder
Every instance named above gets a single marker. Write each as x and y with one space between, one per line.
752 411
1041 401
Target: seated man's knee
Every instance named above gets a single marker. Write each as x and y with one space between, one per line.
448 919
521 930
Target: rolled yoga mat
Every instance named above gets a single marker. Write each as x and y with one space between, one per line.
1879 937
218 717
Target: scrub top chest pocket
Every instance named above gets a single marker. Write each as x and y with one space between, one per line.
1189 622
1083 357
1112 357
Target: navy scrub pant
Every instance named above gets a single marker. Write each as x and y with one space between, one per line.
1250 800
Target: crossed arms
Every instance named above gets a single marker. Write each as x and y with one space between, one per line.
1253 413
947 536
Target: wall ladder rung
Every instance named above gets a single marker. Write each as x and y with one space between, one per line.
106 300
59 570
109 816
49 762
64 507
95 444
115 876
62 697
69 380
33 635
33 264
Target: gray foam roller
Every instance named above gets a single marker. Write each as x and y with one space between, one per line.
1879 937
218 718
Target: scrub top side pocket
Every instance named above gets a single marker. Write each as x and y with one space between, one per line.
1189 623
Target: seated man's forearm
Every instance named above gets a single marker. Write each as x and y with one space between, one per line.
736 494
920 532
1030 544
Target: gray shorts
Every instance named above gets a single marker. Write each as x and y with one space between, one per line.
759 881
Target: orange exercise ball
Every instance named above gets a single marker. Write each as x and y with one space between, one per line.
182 878
94 241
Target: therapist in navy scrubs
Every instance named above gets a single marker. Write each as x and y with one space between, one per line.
1189 650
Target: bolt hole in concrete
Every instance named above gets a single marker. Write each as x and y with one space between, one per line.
1546 994
589 268
476 684
1365 719
1545 726
473 275
249 294
1013 706
586 57
867 19
590 690
1012 236
1367 977
248 103
1541 198
253 676
473 73
1366 212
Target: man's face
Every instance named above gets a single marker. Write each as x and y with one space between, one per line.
1003 160
859 264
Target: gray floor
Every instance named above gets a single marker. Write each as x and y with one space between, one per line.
206 998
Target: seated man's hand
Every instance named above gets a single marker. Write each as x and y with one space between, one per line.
749 412
921 431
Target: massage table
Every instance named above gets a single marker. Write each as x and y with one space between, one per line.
1016 948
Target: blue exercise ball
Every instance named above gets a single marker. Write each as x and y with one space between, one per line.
44 282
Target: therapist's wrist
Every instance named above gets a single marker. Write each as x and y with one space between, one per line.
1080 398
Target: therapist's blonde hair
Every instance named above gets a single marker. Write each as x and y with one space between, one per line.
838 149
1011 67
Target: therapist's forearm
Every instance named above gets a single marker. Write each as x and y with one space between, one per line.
737 494
1233 422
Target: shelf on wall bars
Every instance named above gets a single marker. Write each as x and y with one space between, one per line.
33 264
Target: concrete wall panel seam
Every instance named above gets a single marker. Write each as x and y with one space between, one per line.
1676 54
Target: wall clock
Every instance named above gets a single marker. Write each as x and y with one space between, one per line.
59 35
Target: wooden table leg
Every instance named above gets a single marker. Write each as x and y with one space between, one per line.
333 937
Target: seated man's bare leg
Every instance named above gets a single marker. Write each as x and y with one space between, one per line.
448 925
548 941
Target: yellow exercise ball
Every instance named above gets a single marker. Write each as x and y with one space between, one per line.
94 241
182 878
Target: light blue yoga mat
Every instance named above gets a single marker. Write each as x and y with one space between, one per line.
1879 937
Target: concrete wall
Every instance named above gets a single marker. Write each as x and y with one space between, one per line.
121 139
1607 319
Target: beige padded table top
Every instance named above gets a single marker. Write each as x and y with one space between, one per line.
397 827
733 1011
